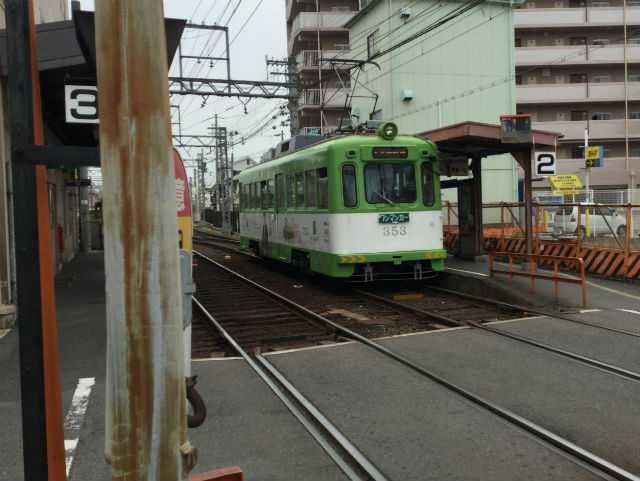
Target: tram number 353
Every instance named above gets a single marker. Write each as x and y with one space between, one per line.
394 230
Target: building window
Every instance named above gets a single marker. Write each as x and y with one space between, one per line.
606 153
634 40
601 41
341 46
577 40
633 3
577 115
634 152
518 42
518 79
339 9
634 77
601 79
372 43
576 3
634 115
601 116
599 4
577 153
343 84
578 78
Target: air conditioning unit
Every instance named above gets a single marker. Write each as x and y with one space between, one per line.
559 79
559 42
560 117
559 4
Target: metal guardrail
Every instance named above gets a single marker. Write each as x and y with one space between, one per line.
533 258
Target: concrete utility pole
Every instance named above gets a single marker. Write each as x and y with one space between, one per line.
146 393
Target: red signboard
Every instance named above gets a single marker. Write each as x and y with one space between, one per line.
77 182
183 201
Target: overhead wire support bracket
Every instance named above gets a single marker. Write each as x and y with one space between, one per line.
230 88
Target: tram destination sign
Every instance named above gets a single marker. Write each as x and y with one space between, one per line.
393 218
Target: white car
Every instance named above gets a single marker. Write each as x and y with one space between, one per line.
602 221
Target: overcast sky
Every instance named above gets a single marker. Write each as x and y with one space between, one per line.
257 29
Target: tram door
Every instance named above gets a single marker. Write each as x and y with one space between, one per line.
469 220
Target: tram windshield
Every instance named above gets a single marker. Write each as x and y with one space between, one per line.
389 183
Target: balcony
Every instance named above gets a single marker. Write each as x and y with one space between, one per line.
308 59
572 93
576 55
323 21
599 130
294 6
568 17
333 98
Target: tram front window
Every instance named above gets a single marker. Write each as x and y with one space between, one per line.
390 183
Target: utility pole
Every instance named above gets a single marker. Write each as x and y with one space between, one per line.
202 168
224 178
146 389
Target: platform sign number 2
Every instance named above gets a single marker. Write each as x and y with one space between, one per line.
545 163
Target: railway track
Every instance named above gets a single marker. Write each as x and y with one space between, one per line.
346 455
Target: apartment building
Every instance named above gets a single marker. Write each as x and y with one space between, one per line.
315 33
578 67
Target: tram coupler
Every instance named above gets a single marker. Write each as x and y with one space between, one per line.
417 271
368 272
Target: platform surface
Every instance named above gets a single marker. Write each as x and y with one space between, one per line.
410 427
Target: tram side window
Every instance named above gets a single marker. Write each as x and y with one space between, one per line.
300 191
291 192
311 188
428 197
323 189
252 196
280 191
264 195
349 192
245 196
270 199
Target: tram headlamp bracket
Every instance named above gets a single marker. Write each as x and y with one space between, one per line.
388 130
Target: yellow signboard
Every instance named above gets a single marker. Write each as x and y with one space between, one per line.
563 192
592 152
565 181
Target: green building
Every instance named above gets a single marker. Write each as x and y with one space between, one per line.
437 64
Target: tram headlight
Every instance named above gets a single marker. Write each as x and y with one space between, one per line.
388 130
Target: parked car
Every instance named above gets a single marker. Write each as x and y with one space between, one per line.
602 221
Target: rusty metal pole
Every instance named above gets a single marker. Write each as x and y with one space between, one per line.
146 391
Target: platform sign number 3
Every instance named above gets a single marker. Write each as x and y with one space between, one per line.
81 104
545 163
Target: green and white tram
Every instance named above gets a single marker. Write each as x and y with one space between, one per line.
363 205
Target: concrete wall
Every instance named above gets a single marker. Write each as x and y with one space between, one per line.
459 71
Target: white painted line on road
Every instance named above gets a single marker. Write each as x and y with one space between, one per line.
4 332
468 272
608 289
585 311
629 310
75 417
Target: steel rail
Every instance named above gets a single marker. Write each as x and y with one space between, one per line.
535 311
337 436
328 425
579 455
619 371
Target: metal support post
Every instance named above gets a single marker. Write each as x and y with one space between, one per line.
42 436
146 392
